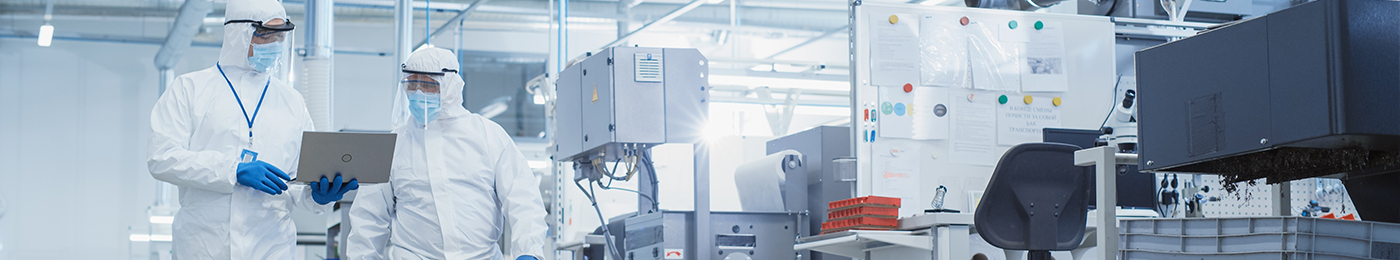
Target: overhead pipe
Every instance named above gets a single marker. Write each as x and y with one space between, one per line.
669 16
403 31
460 15
317 70
182 33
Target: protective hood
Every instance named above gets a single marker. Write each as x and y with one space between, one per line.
239 36
439 60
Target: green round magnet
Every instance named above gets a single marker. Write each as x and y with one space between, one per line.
1002 99
1011 24
886 108
1039 25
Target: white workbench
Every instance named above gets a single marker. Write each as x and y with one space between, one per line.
919 237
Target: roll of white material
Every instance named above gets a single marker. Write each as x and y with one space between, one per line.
760 182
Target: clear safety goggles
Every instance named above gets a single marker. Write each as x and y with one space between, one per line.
425 81
263 33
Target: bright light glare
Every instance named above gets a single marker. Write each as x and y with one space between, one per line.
538 99
45 35
162 219
777 82
150 238
538 164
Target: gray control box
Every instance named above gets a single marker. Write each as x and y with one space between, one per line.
630 95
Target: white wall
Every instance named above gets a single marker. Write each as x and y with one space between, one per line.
73 124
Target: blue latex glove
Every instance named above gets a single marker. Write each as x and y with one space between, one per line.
325 191
262 176
526 257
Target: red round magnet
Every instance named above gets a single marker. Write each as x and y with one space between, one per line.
908 88
963 21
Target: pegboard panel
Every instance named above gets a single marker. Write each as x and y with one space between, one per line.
1254 201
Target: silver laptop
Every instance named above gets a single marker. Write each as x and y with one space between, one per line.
367 157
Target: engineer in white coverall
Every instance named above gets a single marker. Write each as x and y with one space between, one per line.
224 135
457 182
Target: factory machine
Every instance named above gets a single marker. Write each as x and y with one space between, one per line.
1304 92
614 107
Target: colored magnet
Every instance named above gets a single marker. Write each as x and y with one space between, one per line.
1028 99
1002 99
1039 25
899 109
908 87
886 108
867 111
910 107
1055 101
872 116
969 97
894 19
1012 24
963 21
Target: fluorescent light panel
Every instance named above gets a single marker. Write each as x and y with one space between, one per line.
45 35
162 219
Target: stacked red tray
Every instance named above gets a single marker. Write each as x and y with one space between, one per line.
863 213
872 212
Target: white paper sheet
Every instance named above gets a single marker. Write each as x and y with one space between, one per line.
1045 65
943 52
931 115
919 115
994 63
896 174
1018 122
896 113
894 50
973 132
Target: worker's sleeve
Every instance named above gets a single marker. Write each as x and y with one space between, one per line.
370 217
170 158
519 192
301 194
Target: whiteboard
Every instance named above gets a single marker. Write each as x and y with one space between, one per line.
1086 97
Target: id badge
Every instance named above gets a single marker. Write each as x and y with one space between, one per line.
248 156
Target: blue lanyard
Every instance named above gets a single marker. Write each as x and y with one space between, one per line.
240 101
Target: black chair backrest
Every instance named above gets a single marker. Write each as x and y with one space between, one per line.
1037 199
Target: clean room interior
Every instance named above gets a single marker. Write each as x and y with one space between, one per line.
784 87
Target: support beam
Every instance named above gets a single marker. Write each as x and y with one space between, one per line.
670 16
810 41
460 15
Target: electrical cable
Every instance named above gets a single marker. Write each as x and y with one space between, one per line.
1114 100
651 170
607 234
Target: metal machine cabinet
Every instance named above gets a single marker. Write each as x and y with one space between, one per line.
566 112
630 95
736 235
819 145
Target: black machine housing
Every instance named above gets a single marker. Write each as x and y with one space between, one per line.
1308 91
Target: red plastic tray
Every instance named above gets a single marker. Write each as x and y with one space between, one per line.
865 222
824 232
874 212
867 201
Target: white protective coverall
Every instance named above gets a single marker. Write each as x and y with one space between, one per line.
456 184
198 134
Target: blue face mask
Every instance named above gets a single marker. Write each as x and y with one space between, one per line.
424 106
265 55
